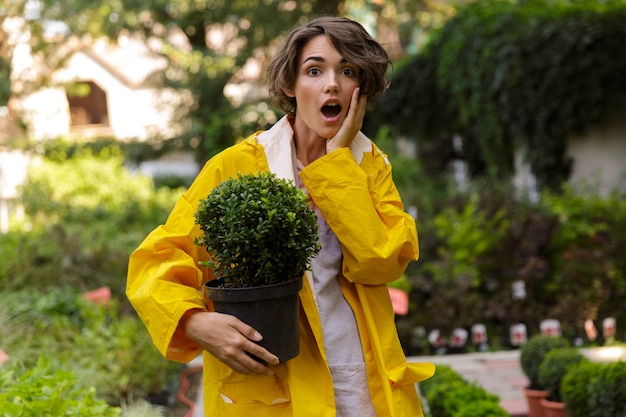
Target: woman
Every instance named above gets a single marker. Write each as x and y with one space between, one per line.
350 362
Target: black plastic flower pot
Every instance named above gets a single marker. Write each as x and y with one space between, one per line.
273 310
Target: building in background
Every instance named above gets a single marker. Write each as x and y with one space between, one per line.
104 89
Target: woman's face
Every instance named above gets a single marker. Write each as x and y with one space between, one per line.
323 89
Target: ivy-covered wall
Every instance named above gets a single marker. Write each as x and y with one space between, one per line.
488 257
508 75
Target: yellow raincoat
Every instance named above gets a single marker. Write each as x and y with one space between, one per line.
354 190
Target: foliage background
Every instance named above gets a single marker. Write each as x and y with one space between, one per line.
500 75
565 250
512 76
85 213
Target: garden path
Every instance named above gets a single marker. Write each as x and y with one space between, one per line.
498 372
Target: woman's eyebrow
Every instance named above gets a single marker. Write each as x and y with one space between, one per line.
313 58
320 59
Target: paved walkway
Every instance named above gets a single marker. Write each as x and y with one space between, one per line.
498 372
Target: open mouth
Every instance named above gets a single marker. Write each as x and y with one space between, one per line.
331 109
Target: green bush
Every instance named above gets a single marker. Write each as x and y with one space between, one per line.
449 395
467 235
576 387
84 217
565 250
258 230
585 256
438 395
554 367
607 396
482 408
464 395
90 190
443 375
532 354
43 391
85 213
101 347
436 388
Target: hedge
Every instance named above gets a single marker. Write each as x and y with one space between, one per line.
449 395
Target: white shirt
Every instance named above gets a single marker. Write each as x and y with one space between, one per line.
339 328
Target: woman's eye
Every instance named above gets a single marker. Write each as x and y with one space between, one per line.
313 71
349 72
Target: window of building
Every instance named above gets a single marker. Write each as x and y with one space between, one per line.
88 104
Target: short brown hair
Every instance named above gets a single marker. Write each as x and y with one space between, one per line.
349 38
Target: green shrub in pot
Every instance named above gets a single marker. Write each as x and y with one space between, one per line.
533 353
258 230
576 386
607 394
260 235
554 367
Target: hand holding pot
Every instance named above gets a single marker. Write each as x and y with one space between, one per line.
229 340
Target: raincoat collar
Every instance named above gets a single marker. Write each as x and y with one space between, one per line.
279 148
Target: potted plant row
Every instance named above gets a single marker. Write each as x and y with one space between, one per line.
565 383
260 235
551 372
532 354
595 389
576 386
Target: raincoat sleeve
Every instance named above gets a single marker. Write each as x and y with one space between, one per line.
164 281
363 208
164 277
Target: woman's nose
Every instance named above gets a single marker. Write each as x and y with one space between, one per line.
332 86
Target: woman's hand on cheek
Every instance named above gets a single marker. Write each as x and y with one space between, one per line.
351 124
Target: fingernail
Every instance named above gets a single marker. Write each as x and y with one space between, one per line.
257 336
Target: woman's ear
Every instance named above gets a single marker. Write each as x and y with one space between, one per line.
289 92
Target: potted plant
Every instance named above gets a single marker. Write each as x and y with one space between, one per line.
260 234
532 354
550 374
607 394
576 386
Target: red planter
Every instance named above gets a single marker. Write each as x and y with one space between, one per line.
553 409
534 397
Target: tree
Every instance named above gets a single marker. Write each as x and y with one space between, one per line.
219 38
